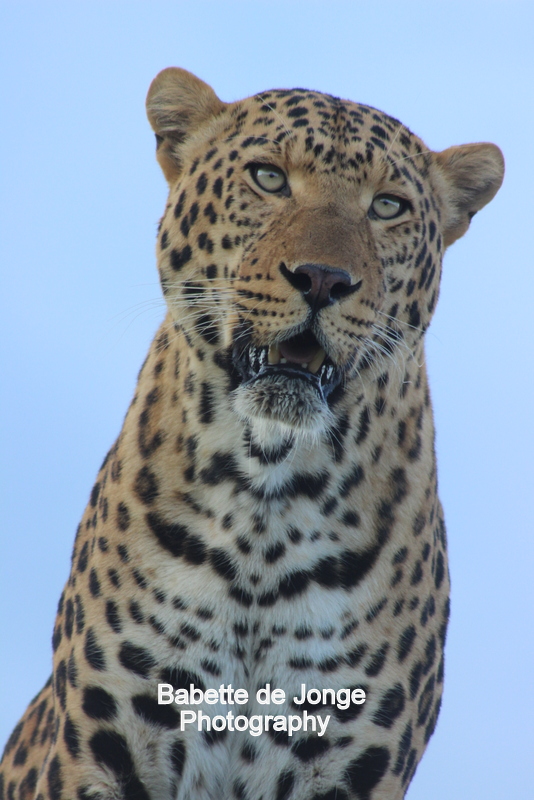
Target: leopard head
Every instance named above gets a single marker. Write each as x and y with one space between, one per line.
303 238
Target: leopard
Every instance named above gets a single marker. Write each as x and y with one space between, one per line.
268 518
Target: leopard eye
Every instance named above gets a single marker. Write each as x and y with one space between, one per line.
387 206
268 177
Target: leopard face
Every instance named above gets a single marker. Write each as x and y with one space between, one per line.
303 242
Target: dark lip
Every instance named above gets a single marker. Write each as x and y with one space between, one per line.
252 365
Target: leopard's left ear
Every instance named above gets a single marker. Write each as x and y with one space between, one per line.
177 104
470 176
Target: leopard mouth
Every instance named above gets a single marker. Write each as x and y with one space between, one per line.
300 357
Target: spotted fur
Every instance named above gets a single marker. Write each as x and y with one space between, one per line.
262 523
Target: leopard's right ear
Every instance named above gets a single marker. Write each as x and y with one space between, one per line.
177 104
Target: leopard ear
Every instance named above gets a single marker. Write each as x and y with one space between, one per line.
177 104
472 174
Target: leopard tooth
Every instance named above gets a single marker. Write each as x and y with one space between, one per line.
274 355
317 360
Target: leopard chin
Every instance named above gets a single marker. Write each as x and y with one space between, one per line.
277 404
286 388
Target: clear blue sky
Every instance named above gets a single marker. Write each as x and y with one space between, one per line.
81 196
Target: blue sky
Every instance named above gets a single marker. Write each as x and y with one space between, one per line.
81 195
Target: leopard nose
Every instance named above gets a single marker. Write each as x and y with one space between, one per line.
320 285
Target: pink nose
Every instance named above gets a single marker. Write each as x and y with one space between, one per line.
320 285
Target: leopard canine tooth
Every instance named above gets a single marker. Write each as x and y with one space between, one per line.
274 355
317 360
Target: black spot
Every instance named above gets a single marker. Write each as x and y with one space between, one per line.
20 756
294 583
71 737
430 655
311 747
98 704
354 657
274 552
123 516
122 550
178 754
79 614
353 479
337 437
326 572
110 749
181 678
94 495
300 662
354 566
351 518
222 467
377 661
139 578
148 708
55 781
211 667
406 640
333 794
400 556
241 596
354 709
207 404
363 425
366 771
280 738
136 659
190 631
194 550
184 226
69 618
214 737
202 183
308 484
248 753
391 706
94 583
170 535
210 212
439 573
94 654
112 616
61 683
146 486
284 785
404 748
415 678
179 207
208 329
425 701
414 316
72 671
329 506
181 257
82 560
27 784
417 574
223 564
